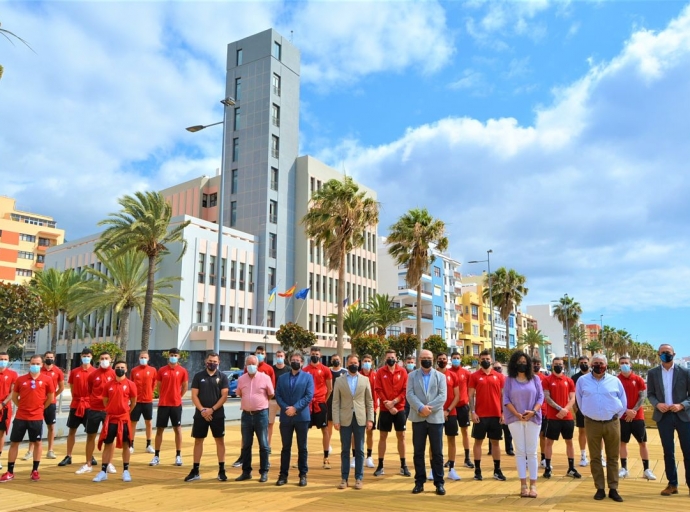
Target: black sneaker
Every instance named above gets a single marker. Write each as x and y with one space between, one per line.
93 462
547 472
498 475
222 476
237 463
379 471
469 464
193 475
65 462
478 475
404 471
573 472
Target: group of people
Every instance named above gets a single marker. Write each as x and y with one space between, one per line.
440 399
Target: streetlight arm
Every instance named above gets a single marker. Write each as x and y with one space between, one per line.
199 127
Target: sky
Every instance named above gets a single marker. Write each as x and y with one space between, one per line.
554 133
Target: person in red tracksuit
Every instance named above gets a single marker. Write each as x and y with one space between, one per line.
367 369
119 398
7 379
462 409
323 387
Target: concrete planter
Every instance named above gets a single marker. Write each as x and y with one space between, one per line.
648 421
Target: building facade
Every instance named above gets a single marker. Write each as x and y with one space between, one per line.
549 326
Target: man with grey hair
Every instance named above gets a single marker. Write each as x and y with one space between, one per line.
602 400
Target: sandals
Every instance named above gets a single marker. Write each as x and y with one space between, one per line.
524 493
532 491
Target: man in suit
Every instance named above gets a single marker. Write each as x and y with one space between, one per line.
426 394
294 393
353 413
668 390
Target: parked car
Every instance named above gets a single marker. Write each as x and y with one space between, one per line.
232 375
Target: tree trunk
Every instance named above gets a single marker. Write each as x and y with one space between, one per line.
123 332
68 350
148 305
53 334
420 341
341 306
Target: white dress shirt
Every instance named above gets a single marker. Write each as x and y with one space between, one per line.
667 376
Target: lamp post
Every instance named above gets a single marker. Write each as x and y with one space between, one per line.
227 102
564 302
491 300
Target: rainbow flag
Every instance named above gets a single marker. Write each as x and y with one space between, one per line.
354 304
288 293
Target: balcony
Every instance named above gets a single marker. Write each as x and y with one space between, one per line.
276 121
276 90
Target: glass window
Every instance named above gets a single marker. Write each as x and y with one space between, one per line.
204 200
242 267
250 278
237 119
271 278
235 149
437 271
199 310
274 178
213 199
240 315
212 270
276 84
277 50
272 245
275 146
275 115
233 181
233 213
238 88
202 268
271 319
239 57
223 263
273 212
437 311
233 274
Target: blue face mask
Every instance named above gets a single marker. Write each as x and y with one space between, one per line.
173 359
143 362
4 364
409 366
251 369
666 357
280 360
625 368
85 360
35 368
260 357
455 362
366 366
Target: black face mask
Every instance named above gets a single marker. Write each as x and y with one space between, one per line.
212 366
441 364
390 362
522 368
497 369
536 369
120 372
584 367
485 364
335 363
295 365
50 362
426 363
598 369
315 359
558 369
353 368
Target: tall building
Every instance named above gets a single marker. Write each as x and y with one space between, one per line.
475 334
24 239
504 336
550 326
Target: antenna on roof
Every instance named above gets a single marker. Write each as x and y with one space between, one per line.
291 34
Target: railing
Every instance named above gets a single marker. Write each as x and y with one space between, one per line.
276 90
276 121
274 153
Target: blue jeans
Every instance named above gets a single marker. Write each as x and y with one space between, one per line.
669 423
346 434
287 429
256 423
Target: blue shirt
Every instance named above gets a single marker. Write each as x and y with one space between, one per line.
352 382
426 377
293 380
600 399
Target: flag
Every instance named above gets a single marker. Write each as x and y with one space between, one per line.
302 294
347 299
288 293
354 304
272 294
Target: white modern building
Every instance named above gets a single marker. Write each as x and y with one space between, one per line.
550 326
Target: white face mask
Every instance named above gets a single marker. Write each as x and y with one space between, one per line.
105 364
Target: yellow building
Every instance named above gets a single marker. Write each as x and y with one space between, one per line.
473 313
24 239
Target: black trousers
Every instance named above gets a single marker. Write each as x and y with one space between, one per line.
287 429
668 425
433 432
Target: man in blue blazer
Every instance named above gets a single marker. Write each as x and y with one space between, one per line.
668 390
294 392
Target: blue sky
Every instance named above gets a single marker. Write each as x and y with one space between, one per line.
554 133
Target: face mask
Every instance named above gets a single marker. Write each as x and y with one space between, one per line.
666 357
295 365
410 367
105 364
536 369
336 363
557 369
353 368
143 362
426 364
212 366
50 362
251 369
455 362
390 362
261 357
497 369
598 369
173 359
366 366
314 359
625 368
441 364
485 364
120 372
522 368
35 368
4 364
85 360
280 360
584 367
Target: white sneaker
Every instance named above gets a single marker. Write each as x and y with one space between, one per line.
453 475
583 461
622 473
126 477
352 462
330 449
101 476
155 461
543 463
149 449
431 475
178 460
111 469
50 455
370 462
131 449
648 474
86 468
28 456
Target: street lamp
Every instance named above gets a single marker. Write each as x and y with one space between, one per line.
491 300
567 331
227 102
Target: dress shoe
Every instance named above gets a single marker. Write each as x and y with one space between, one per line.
600 494
302 481
243 477
670 489
613 494
281 481
510 453
440 490
263 478
358 485
418 489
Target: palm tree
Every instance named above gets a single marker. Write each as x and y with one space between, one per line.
410 240
622 343
608 338
338 217
73 282
592 347
507 291
356 321
568 313
123 288
578 337
381 308
6 34
533 339
143 225
53 287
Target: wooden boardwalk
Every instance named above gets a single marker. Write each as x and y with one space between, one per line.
163 488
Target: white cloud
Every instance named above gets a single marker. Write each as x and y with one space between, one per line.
488 20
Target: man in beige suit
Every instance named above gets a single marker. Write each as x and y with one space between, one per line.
353 414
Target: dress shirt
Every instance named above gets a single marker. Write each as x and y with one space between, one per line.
255 391
601 399
426 377
667 376
293 380
352 382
